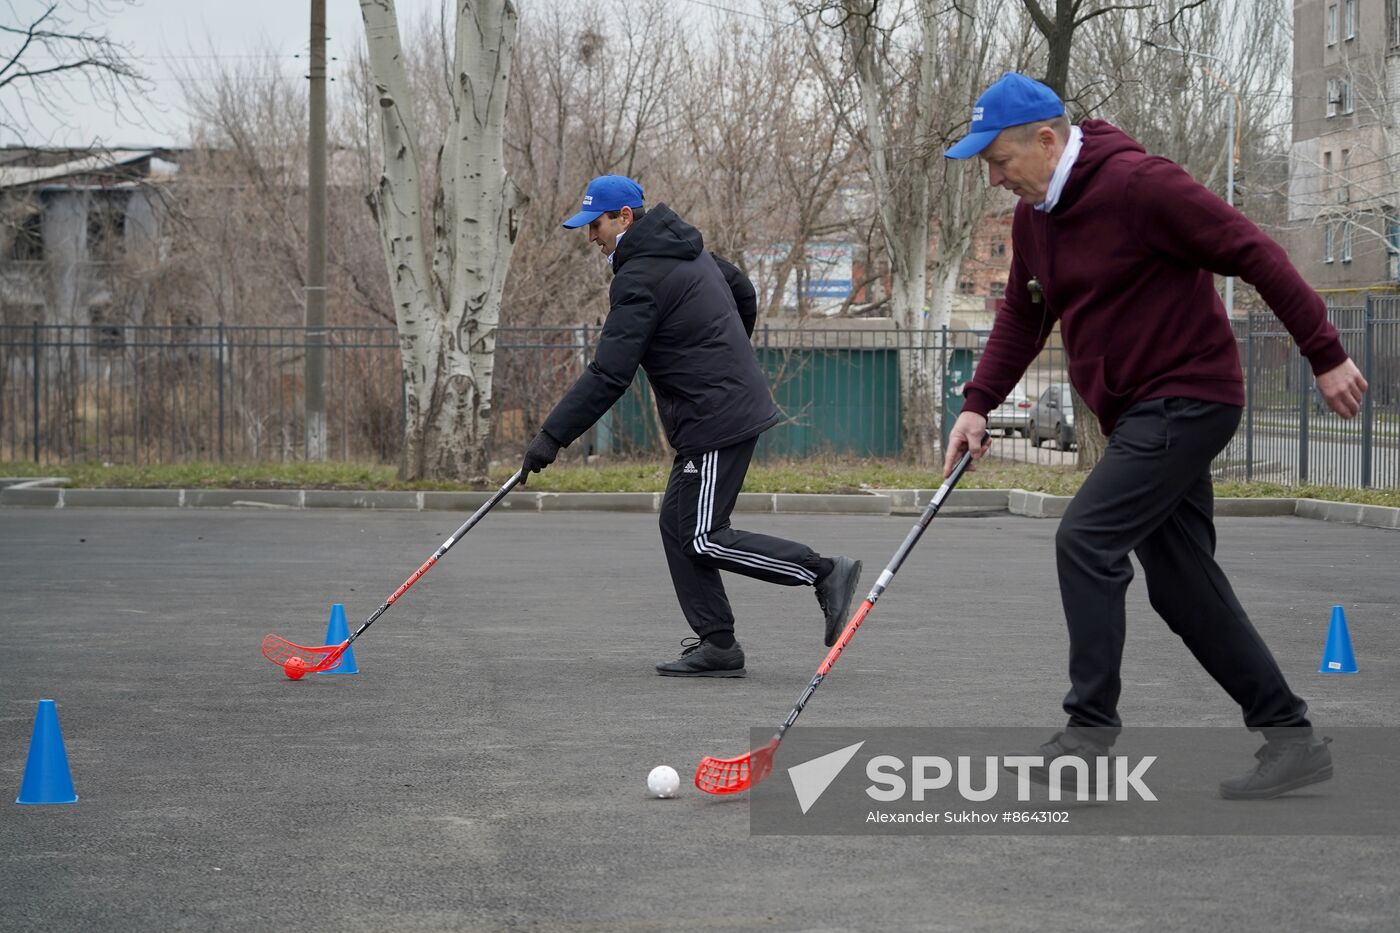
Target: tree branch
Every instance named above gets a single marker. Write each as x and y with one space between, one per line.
1113 8
1044 23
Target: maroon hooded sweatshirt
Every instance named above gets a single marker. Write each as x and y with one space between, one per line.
1124 263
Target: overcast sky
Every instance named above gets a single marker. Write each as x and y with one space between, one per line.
167 36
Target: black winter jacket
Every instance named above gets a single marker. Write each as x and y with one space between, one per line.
684 315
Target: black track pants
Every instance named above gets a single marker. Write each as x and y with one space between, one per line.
1151 495
699 541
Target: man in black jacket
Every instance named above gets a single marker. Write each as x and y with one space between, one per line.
685 316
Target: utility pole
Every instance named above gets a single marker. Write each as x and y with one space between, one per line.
316 243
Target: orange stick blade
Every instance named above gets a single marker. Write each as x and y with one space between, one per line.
735 775
315 660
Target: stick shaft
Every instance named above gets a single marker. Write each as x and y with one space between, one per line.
881 584
456 536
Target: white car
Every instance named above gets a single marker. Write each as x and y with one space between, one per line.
1013 415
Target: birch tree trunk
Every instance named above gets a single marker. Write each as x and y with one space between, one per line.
447 287
901 183
969 39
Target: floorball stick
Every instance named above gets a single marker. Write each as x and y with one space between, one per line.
733 775
299 660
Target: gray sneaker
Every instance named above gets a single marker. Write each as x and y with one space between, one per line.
834 594
1071 743
1284 765
702 659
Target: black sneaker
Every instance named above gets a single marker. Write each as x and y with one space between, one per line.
702 659
1069 744
834 594
1284 765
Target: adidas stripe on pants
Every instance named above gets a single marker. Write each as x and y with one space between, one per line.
699 541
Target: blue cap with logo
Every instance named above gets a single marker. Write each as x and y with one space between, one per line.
606 193
1012 101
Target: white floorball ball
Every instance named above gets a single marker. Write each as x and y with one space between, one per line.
663 781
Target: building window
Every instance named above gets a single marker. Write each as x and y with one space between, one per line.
1334 96
1332 24
1392 22
106 229
1326 175
999 248
1349 20
1328 242
966 287
998 288
28 244
1345 191
1348 103
1348 228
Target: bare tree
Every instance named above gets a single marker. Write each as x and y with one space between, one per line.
596 94
1059 25
763 151
1173 83
895 89
967 54
237 200
447 287
911 100
49 45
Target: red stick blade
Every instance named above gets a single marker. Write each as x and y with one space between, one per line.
314 660
734 775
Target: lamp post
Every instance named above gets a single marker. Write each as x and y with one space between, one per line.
1230 141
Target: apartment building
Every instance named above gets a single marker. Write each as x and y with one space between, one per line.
1344 172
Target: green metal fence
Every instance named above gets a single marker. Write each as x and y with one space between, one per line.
225 393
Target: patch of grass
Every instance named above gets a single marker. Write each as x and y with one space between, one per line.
215 475
804 476
1390 497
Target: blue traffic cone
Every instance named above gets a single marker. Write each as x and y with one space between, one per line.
46 777
336 633
1337 658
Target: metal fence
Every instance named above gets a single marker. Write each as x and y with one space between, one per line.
144 395
141 395
1289 435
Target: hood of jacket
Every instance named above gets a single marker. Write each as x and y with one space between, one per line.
1102 141
660 233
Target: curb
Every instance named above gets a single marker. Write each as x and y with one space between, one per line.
45 495
48 493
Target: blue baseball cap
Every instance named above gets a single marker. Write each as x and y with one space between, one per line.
1012 101
606 193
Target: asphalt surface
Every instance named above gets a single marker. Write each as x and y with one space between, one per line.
486 769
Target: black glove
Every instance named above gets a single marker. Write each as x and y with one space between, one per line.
540 454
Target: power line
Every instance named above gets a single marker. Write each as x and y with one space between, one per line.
757 16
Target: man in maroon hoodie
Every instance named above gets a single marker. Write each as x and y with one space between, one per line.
1120 247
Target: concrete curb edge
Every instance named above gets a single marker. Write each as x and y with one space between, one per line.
45 492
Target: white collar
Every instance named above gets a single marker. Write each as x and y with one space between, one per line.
1057 181
614 252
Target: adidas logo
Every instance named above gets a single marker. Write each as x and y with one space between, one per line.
690 467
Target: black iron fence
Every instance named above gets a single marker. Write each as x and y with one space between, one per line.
224 393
